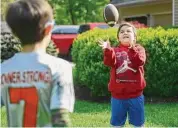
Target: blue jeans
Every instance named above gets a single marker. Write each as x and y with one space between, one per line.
134 107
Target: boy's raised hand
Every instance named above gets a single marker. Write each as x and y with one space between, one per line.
104 44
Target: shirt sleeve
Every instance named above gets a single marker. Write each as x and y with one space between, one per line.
1 92
62 95
109 57
138 56
2 102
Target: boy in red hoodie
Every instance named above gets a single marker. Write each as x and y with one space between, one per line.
126 77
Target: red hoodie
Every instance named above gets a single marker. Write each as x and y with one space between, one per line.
127 72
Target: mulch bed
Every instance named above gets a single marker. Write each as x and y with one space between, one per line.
161 100
83 93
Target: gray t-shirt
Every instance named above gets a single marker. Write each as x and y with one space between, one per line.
34 83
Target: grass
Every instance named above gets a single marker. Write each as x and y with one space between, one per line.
89 114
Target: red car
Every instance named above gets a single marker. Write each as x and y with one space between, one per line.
64 35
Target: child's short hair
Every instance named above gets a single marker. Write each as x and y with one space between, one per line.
129 25
27 19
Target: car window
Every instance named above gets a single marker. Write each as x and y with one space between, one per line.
67 30
83 28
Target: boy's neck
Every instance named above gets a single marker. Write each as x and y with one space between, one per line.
34 47
122 45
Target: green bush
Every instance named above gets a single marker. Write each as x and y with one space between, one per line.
161 69
171 27
11 45
162 63
87 55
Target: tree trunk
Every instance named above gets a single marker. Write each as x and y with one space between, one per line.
71 12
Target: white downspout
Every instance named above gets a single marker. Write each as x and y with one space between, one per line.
173 12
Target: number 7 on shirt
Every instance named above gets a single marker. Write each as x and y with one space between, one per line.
30 96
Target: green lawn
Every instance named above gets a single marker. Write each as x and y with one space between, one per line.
98 115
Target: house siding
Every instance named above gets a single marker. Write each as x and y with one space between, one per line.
157 13
146 9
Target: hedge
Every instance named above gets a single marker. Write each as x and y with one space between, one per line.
161 69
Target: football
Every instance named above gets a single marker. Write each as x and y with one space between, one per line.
110 14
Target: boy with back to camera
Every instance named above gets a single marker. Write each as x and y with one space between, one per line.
127 77
36 88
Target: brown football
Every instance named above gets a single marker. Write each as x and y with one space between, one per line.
110 14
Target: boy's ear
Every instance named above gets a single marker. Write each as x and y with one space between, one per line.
48 29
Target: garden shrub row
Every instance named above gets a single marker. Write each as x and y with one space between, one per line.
161 69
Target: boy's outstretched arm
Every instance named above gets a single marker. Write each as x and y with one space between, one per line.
60 118
109 54
137 55
109 57
62 96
